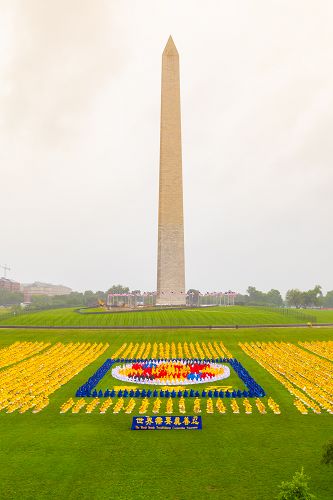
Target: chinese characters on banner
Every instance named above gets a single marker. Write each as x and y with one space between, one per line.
166 423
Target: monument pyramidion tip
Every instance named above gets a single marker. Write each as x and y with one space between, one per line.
170 49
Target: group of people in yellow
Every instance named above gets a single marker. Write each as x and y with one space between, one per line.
28 384
31 371
300 407
167 406
234 406
307 376
18 351
157 405
324 349
260 405
273 406
171 350
209 406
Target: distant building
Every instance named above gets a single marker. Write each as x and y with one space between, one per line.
9 285
38 288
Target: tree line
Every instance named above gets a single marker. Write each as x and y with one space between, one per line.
87 298
294 298
253 297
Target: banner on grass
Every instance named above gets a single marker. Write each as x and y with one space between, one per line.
166 423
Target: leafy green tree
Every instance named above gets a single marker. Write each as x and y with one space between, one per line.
256 297
306 300
296 489
327 457
74 299
312 298
294 297
90 298
259 298
118 289
327 301
274 298
241 300
71 300
10 298
100 295
40 302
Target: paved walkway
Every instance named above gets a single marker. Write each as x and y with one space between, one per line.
173 327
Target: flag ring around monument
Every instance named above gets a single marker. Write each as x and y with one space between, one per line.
171 372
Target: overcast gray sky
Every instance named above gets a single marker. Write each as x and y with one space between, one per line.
79 140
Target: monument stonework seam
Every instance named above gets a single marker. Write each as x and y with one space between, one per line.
171 262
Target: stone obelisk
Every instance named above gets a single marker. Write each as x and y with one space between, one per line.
170 266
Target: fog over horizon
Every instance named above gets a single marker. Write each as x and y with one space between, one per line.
79 141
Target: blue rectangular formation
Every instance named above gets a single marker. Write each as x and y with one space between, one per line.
166 423
253 389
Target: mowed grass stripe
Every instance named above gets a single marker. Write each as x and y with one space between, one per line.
235 315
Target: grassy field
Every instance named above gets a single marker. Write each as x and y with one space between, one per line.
49 455
4 310
191 317
323 315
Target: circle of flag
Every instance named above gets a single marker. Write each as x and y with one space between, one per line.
180 372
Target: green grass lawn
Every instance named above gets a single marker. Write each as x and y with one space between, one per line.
235 315
323 315
68 456
4 310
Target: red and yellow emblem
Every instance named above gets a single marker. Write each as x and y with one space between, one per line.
180 372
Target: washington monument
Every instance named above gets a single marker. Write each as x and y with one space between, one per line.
170 265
